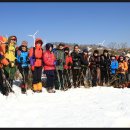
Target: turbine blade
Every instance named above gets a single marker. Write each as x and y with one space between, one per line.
35 32
30 35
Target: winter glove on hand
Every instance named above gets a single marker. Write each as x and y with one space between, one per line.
21 59
69 64
5 62
55 62
1 56
58 62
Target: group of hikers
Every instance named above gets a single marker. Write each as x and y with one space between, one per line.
63 69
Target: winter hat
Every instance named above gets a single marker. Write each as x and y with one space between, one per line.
66 49
48 45
85 50
38 40
113 56
105 51
61 44
96 51
25 43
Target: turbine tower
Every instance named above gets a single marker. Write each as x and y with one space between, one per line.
34 37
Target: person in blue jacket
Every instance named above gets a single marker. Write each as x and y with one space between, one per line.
113 69
23 66
114 65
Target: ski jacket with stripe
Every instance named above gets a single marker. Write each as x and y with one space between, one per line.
22 59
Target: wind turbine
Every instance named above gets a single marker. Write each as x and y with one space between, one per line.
102 43
33 36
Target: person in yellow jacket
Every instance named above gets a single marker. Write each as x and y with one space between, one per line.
9 59
122 69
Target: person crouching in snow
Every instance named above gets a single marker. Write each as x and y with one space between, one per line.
23 66
36 62
49 67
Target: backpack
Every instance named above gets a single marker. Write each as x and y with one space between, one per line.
33 58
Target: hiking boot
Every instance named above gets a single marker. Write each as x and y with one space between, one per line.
23 90
39 86
51 91
39 91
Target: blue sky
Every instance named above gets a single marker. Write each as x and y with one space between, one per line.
75 22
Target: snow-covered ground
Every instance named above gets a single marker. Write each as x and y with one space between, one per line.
79 107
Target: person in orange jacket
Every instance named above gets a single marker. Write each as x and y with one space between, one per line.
3 62
121 71
36 62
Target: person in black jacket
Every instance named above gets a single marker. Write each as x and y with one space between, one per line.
105 67
95 68
76 67
84 65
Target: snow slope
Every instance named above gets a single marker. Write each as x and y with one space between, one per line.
80 107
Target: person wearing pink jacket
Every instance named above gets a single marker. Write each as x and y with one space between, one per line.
49 67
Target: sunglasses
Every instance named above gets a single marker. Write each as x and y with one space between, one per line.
13 39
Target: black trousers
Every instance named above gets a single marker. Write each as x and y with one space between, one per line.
24 72
76 77
37 74
59 81
83 75
104 75
50 79
67 78
1 82
94 76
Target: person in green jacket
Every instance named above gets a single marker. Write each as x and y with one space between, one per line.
60 61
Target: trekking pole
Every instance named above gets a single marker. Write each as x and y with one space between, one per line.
108 77
24 81
79 79
65 77
57 74
70 78
8 86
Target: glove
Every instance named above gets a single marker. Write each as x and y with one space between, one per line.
1 56
58 62
5 62
69 64
21 59
54 62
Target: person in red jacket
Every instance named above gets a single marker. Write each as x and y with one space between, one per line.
67 68
36 62
49 67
